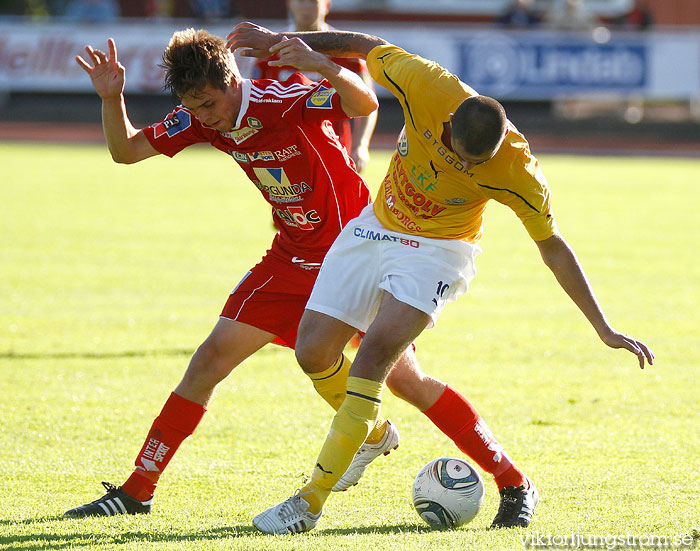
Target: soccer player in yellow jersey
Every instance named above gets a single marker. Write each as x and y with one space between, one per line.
404 257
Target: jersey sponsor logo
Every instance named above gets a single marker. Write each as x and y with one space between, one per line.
449 157
283 200
390 200
265 100
271 176
372 235
420 204
287 153
261 156
239 156
276 184
321 99
254 123
402 144
455 201
173 125
422 178
240 135
295 216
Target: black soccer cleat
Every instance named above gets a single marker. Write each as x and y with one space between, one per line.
116 502
517 506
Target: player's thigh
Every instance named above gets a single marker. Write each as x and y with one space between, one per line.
320 340
394 328
229 343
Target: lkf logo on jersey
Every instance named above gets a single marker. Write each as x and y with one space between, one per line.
261 156
321 99
173 125
422 178
239 156
409 194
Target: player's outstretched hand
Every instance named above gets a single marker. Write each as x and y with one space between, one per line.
107 74
638 348
253 40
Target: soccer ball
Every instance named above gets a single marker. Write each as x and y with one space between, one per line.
448 492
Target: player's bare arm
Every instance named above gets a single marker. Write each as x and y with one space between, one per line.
356 98
561 259
256 41
126 143
362 129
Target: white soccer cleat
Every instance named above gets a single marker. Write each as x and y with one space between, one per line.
365 455
289 517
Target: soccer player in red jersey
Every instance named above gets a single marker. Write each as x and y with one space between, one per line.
355 134
280 135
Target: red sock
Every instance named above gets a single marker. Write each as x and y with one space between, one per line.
457 418
178 419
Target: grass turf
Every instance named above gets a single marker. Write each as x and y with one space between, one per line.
112 275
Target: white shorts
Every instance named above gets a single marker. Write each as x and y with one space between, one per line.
366 258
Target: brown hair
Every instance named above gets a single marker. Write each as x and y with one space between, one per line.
194 59
479 124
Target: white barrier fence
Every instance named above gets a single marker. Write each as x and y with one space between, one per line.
497 62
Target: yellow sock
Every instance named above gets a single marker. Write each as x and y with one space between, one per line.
331 384
377 432
349 429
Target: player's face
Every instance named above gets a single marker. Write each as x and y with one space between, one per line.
308 15
469 160
214 108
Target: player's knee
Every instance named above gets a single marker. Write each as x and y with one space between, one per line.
312 359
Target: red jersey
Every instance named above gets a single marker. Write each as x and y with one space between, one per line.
285 144
343 127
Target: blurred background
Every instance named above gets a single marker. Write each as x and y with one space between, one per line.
575 75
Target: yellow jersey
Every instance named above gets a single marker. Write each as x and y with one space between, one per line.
428 190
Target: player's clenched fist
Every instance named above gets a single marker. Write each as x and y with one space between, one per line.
106 73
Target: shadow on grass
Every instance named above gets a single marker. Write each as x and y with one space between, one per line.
94 355
46 540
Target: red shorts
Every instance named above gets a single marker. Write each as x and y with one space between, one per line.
272 297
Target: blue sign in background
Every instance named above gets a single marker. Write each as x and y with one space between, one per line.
544 66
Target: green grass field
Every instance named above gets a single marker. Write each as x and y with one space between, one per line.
112 275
